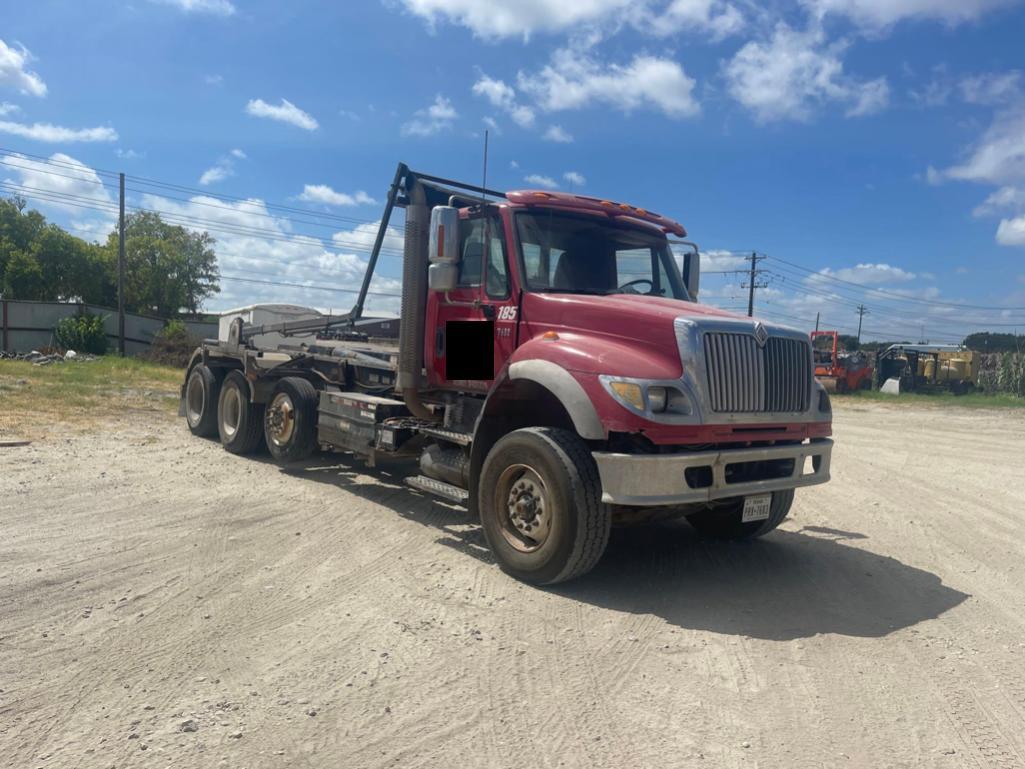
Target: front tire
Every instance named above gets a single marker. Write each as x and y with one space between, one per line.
202 390
540 505
722 520
239 422
290 421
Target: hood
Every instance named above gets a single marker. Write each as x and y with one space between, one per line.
617 314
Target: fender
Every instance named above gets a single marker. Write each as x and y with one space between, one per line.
568 390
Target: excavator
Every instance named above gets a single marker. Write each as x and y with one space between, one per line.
838 371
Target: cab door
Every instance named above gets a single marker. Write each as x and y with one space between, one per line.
471 330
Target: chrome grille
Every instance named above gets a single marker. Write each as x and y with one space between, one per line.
744 377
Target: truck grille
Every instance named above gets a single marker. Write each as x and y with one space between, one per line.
744 377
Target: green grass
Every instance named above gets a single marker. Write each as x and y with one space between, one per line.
78 393
941 400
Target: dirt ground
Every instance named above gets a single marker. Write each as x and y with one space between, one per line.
165 604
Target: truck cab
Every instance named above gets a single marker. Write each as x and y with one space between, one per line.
555 373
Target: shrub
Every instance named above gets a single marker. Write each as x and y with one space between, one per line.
173 345
82 333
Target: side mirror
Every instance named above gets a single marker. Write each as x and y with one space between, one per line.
442 276
692 271
444 241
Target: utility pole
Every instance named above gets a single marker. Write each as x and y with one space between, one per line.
751 283
861 314
121 269
817 315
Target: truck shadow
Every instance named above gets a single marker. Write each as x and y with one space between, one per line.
790 584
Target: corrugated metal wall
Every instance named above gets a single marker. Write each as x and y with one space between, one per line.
28 326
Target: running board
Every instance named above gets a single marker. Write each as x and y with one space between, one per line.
452 436
439 488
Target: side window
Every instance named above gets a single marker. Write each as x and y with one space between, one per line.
472 233
497 279
471 249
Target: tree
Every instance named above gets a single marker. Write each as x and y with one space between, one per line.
168 269
39 260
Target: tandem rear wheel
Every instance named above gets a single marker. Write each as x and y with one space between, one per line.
290 420
239 421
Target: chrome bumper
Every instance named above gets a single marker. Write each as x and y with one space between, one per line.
660 479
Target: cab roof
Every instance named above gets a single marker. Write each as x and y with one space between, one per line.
567 200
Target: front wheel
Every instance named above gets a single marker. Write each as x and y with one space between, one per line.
540 505
723 520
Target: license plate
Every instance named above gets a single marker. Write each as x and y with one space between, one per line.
756 508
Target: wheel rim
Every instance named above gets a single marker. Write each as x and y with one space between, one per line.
231 412
280 420
524 508
195 399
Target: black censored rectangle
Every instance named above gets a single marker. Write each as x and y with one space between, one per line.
470 349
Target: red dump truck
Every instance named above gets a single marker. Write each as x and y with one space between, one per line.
553 373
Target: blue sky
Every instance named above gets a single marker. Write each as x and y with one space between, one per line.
877 142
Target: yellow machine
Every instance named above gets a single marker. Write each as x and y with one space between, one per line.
925 367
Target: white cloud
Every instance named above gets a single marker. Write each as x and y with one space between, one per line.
6 108
503 96
214 174
541 181
1011 232
46 132
14 72
991 87
787 76
575 178
558 134
879 14
222 169
1004 199
576 79
214 79
274 253
516 19
212 7
864 274
128 154
323 194
999 155
712 17
285 112
432 120
76 190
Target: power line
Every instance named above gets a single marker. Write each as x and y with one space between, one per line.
147 182
902 297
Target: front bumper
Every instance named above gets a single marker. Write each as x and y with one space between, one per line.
662 479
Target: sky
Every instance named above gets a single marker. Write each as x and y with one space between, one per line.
872 150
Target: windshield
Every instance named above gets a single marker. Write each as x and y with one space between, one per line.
579 254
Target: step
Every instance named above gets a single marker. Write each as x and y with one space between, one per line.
439 488
452 436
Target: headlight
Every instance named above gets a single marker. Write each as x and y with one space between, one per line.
657 399
630 393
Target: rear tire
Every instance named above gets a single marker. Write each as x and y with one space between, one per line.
202 390
239 422
540 506
722 520
290 420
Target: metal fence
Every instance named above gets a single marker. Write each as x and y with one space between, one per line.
29 325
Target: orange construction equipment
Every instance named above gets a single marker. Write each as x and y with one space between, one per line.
837 371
